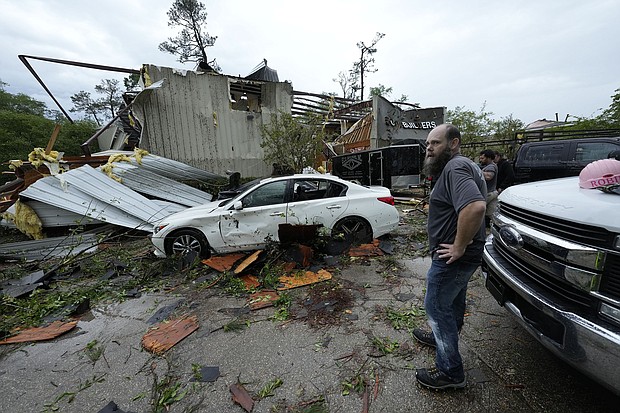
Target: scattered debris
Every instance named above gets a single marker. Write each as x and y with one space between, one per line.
163 313
366 250
111 408
326 304
300 254
49 332
57 247
166 335
225 262
205 373
248 261
250 281
262 299
241 396
305 278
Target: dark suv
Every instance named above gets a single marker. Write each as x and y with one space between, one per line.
551 159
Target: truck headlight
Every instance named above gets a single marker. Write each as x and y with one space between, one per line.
611 312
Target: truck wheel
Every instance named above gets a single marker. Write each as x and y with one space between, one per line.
353 229
185 241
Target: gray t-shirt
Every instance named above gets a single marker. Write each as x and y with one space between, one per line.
492 183
459 184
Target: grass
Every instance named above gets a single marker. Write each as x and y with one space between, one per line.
268 389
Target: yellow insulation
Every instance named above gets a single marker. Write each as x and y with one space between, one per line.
27 221
108 170
38 156
14 164
139 154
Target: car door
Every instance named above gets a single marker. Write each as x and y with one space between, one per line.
256 221
317 201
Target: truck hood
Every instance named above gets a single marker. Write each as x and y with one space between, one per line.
563 198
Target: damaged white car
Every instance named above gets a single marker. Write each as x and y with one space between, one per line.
254 217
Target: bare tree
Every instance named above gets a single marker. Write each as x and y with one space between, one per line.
347 84
191 42
366 62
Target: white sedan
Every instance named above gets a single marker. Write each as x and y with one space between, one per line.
252 219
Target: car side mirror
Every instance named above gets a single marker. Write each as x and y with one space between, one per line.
238 205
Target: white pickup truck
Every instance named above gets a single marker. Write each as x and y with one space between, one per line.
553 261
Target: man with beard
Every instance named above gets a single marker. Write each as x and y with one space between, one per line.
456 236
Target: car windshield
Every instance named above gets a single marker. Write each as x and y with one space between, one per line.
239 190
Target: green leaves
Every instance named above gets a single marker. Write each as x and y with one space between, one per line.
292 142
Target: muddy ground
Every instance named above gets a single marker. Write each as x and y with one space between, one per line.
340 345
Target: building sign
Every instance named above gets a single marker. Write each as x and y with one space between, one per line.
419 125
403 126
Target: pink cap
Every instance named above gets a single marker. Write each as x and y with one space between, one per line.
600 173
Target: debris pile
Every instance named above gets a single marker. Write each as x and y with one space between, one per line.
131 190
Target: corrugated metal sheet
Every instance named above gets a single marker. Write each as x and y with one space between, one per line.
176 170
52 216
190 119
145 182
57 247
103 188
49 190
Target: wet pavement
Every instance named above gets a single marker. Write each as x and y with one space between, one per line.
316 360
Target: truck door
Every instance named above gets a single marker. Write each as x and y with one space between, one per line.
375 168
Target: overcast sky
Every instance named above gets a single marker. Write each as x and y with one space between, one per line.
528 58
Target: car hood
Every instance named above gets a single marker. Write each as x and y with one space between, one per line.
197 211
563 198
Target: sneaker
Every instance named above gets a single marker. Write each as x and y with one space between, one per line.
425 337
435 379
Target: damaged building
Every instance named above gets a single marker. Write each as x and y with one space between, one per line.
189 125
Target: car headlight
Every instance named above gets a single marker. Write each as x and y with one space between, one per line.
159 227
611 312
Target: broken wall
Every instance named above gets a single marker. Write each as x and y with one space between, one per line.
191 119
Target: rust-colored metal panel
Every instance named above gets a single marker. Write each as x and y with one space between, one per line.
250 281
247 262
49 332
223 263
167 334
262 299
306 278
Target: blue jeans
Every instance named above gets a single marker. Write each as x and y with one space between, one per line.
446 286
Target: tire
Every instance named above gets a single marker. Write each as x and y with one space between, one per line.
187 240
354 230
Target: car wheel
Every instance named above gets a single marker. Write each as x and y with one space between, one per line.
185 241
353 229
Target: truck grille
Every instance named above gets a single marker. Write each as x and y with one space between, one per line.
610 282
548 282
571 231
